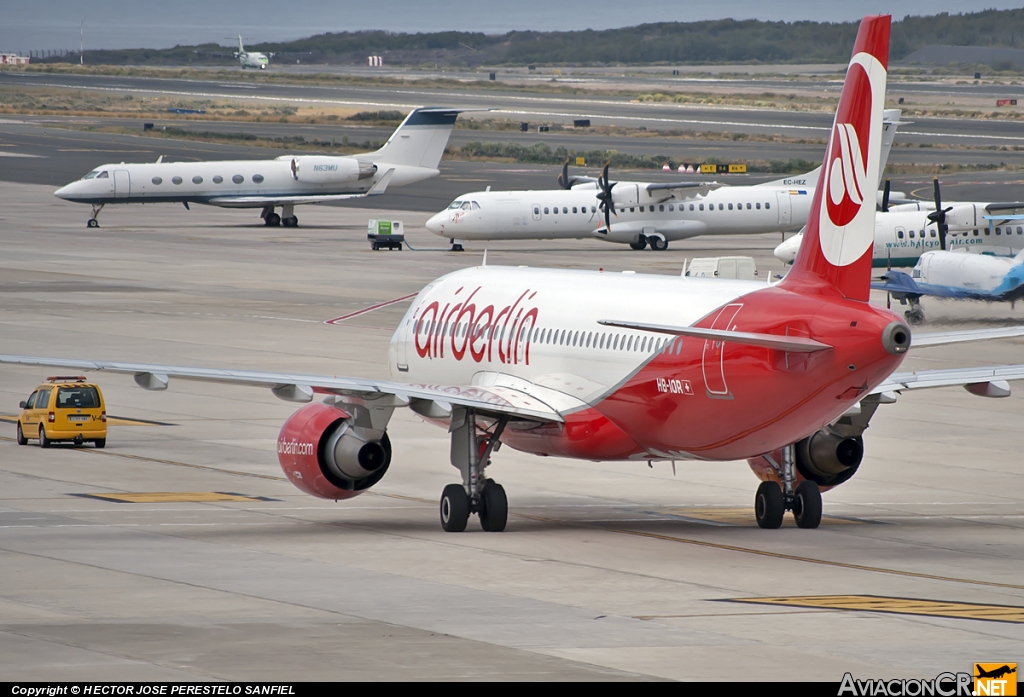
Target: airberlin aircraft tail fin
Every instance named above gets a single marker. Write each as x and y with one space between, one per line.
835 254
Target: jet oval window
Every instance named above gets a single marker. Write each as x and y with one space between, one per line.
238 179
546 210
218 179
730 206
702 206
899 234
197 179
748 206
175 180
661 208
565 209
257 178
158 181
767 206
758 206
672 208
574 209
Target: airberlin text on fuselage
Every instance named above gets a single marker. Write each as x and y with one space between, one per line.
466 326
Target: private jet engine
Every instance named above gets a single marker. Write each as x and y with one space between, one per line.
323 452
320 169
824 457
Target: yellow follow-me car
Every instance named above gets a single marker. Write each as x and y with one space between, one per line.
64 408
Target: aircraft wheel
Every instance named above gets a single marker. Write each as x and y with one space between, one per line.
769 506
273 220
44 442
914 316
22 440
93 223
641 243
807 505
493 507
454 508
658 244
456 248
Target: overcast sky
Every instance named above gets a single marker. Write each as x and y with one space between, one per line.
52 24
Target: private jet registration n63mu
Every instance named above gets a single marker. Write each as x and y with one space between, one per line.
583 364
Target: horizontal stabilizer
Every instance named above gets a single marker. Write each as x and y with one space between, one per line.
795 344
943 338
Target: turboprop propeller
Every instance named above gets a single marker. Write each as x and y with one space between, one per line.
938 216
605 196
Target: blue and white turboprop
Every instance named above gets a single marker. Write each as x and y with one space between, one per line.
956 276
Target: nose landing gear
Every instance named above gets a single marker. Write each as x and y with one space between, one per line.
93 222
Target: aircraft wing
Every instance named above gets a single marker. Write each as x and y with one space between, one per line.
431 400
684 190
983 381
252 201
902 285
943 338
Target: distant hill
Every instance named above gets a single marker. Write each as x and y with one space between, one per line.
999 58
721 41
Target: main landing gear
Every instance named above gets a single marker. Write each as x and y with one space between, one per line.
93 222
471 454
915 315
772 501
657 242
456 246
287 217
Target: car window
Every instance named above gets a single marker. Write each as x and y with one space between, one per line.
84 397
30 402
43 400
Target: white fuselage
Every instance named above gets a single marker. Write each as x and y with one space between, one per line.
228 183
970 272
575 214
494 325
902 236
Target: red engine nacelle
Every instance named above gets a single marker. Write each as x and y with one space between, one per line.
823 457
323 455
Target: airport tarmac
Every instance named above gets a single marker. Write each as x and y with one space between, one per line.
180 553
523 105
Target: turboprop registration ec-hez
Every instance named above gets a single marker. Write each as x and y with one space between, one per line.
582 364
637 213
411 154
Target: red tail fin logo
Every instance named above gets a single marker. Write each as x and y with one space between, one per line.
846 176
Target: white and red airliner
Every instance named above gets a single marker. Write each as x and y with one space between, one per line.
581 364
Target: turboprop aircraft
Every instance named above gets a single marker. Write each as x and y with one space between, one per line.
252 59
956 276
581 364
906 231
411 154
635 213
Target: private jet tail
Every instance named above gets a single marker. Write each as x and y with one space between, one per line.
240 49
419 141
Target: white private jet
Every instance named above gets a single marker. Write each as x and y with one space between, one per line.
906 231
411 154
252 59
636 213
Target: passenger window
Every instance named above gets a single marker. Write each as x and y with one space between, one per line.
767 205
257 178
197 179
1020 231
661 208
721 206
702 206
899 234
565 209
641 209
999 231
574 209
43 400
175 180
632 210
218 179
911 234
31 401
158 181
975 233
730 206
238 179
672 208
546 211
933 233
748 206
691 207
78 398
555 210
593 209
988 232
758 206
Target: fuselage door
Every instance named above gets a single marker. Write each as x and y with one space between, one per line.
713 360
122 183
785 208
